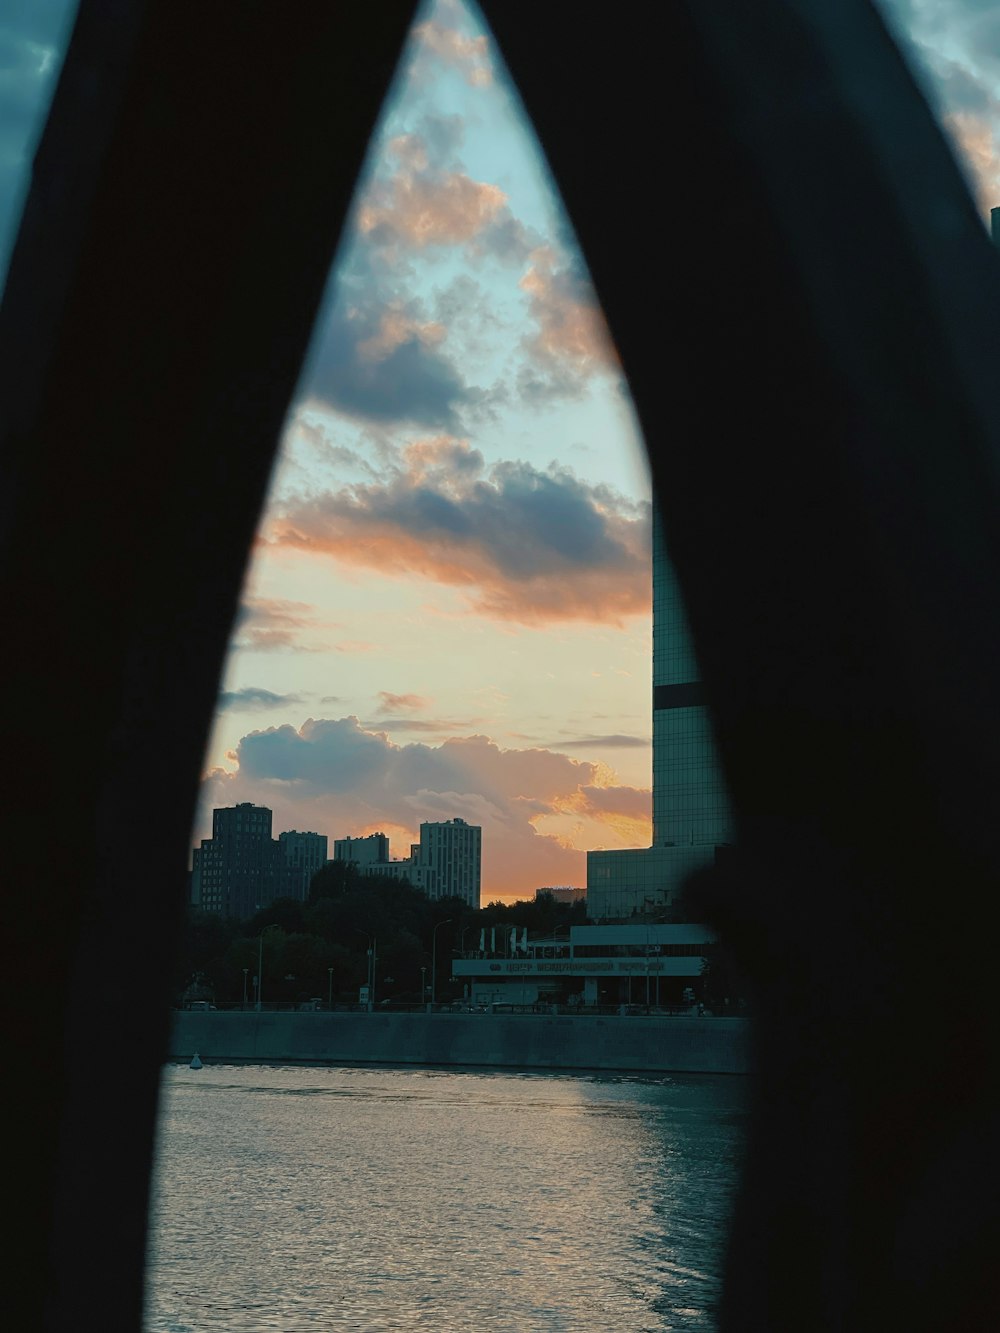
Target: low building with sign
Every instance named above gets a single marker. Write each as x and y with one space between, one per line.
654 965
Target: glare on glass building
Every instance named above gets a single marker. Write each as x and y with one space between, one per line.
691 814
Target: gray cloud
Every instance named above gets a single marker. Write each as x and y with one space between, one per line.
434 726
380 360
342 779
338 777
528 544
381 356
252 699
273 625
614 742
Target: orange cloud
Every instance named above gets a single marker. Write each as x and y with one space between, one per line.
623 812
528 546
395 328
396 703
571 330
340 778
470 54
442 208
273 624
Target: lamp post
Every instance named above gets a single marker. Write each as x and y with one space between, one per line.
434 941
371 966
245 971
329 992
423 984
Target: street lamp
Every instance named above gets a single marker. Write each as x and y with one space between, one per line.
434 940
423 984
329 994
371 966
245 971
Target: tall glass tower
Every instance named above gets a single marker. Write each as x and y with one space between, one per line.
690 805
691 814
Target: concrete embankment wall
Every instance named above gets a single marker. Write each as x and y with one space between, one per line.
527 1041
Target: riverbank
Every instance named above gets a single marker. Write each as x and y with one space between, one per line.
637 1043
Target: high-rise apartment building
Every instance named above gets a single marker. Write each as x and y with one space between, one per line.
241 868
445 863
234 870
372 850
453 851
304 854
691 814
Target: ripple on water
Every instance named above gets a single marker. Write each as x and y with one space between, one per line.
299 1198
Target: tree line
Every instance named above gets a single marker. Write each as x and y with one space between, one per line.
319 949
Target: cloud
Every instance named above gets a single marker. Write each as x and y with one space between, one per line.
615 742
526 545
394 703
571 342
423 199
435 726
954 50
341 778
615 802
977 140
273 625
253 699
601 816
441 208
380 360
468 53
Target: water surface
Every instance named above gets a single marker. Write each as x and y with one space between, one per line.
301 1198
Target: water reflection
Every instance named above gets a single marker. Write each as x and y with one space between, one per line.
299 1198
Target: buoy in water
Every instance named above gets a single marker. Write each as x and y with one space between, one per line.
195 1062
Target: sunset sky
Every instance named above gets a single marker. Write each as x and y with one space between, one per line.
448 611
448 608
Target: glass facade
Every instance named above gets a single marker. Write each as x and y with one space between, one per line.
691 814
690 805
638 881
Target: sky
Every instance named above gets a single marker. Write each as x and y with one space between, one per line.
447 609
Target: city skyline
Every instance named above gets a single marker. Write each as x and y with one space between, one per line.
448 610
243 868
448 613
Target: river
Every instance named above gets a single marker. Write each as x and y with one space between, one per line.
302 1198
